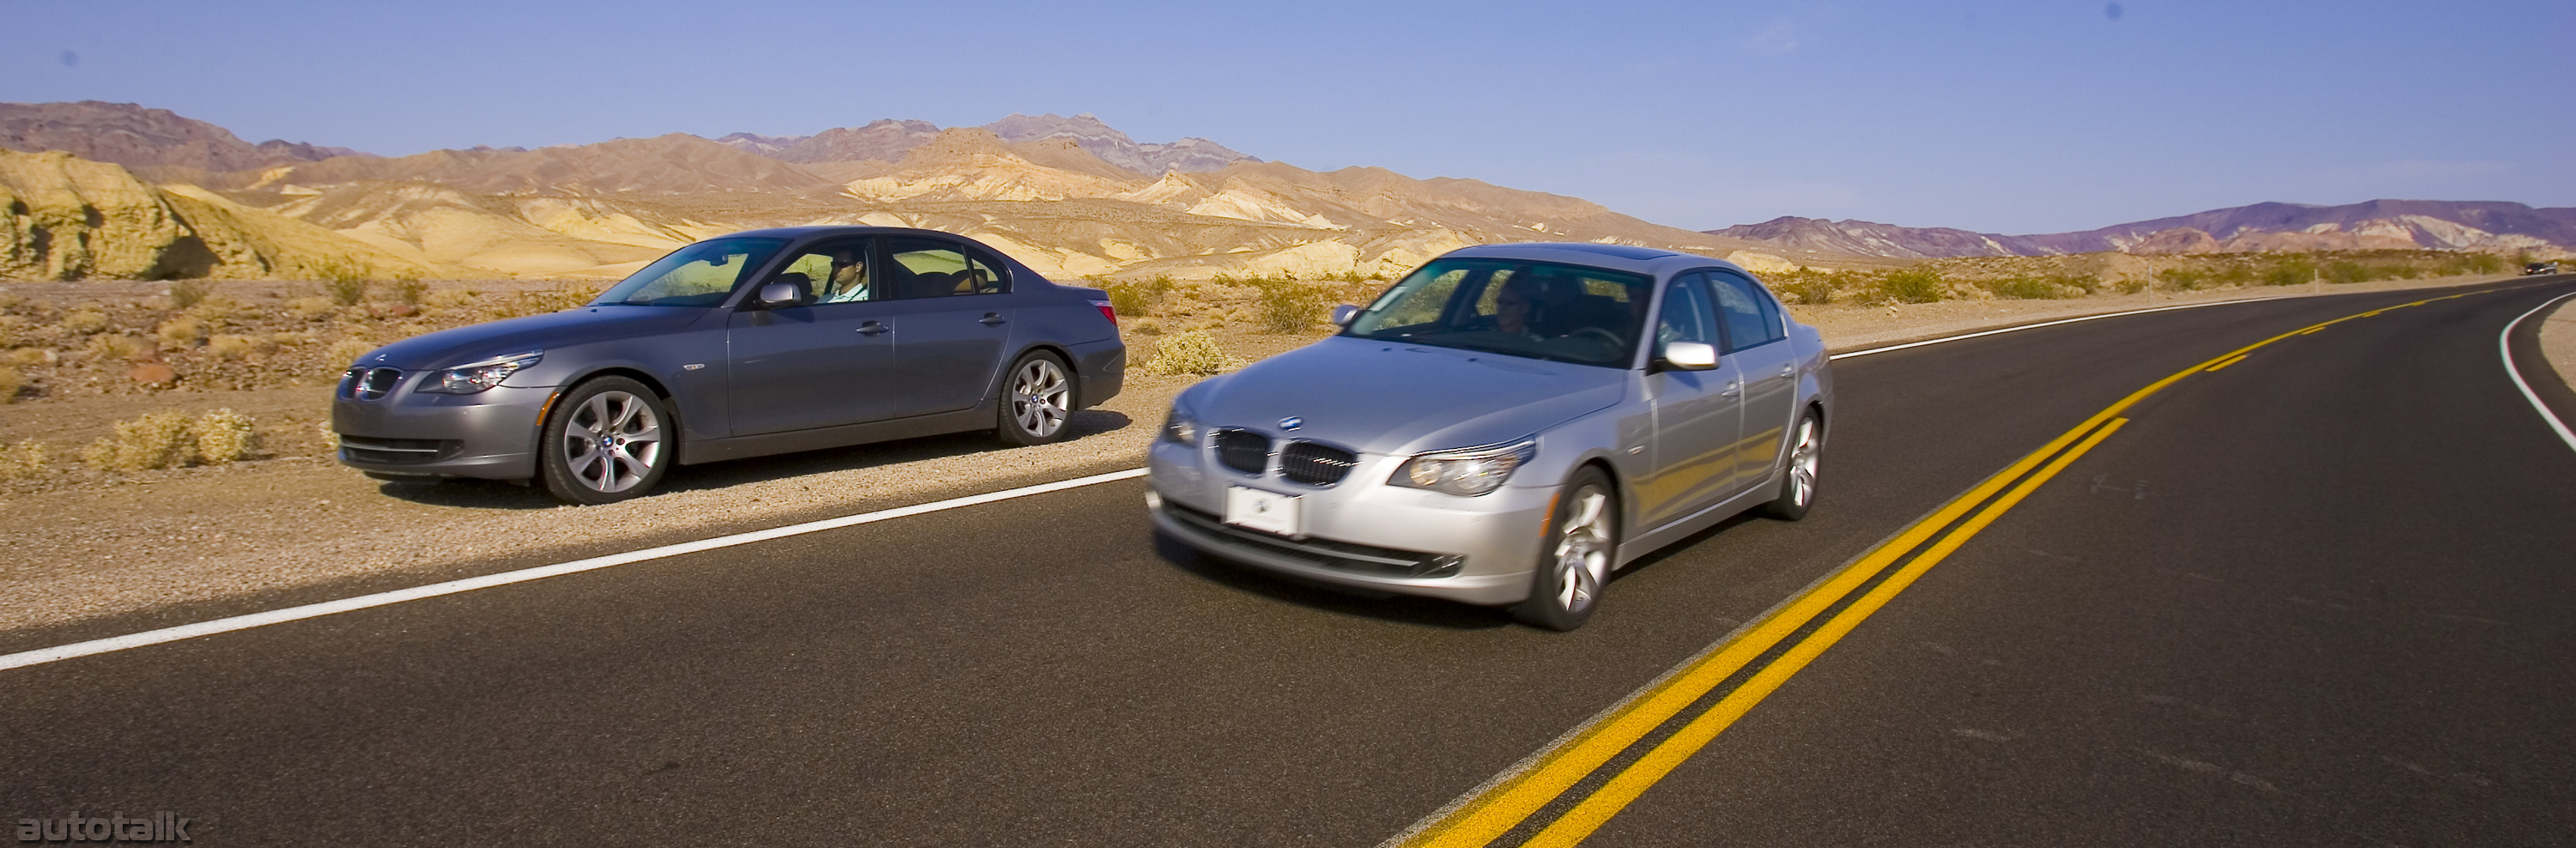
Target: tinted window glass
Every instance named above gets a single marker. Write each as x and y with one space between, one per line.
936 268
1739 304
697 275
1688 315
835 272
1541 310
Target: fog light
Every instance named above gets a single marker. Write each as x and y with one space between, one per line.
1153 499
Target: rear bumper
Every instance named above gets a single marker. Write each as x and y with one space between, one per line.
1100 369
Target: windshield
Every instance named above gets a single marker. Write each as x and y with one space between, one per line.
697 275
1562 313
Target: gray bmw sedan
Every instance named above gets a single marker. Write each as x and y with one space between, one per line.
1507 425
755 343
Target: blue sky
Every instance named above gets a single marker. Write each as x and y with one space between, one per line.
2015 117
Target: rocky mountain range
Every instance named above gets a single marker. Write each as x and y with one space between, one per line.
1068 196
2376 224
136 137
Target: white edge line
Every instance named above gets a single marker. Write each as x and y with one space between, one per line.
297 613
1868 351
2504 345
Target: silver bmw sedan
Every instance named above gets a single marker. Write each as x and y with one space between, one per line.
1507 425
756 343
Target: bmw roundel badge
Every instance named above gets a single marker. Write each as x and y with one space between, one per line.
1291 422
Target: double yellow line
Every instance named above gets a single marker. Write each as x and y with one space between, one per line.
1503 805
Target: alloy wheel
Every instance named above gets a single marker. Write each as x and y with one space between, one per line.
612 441
1583 550
1803 463
1041 397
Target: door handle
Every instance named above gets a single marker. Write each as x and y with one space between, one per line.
871 328
1788 372
1732 389
993 319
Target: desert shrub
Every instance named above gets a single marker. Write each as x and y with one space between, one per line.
214 312
83 321
344 353
235 347
1805 285
1136 297
224 437
118 347
183 331
26 460
344 279
311 308
1193 352
449 298
1146 326
409 290
186 293
2026 288
2290 271
158 440
2183 279
10 382
1914 285
28 356
1288 306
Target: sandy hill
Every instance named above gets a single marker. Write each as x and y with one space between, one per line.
136 137
1069 196
63 217
2399 224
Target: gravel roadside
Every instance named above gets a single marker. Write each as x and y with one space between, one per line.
162 539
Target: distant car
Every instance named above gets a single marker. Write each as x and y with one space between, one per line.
1507 425
755 343
2550 267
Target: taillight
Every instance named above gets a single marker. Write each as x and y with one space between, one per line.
1106 311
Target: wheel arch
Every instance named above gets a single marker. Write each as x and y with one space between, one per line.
670 407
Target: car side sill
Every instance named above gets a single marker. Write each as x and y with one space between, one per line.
977 417
1681 528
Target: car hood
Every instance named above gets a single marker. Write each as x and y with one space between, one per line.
450 348
1386 398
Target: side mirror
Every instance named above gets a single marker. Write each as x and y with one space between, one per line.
1343 314
776 295
1689 356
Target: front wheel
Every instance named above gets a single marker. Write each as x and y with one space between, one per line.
1037 400
1798 472
608 440
1574 568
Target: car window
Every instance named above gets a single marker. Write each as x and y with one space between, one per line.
835 271
1739 304
1541 310
938 268
1688 316
697 275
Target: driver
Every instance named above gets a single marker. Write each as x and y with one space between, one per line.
848 279
1513 305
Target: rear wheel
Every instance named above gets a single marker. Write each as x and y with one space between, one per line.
1574 568
608 440
1798 472
1037 400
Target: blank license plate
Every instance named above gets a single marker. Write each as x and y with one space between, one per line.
1267 512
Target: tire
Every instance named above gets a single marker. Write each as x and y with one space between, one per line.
1036 404
1798 471
1574 566
608 440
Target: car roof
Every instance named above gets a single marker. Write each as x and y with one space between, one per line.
835 230
1616 257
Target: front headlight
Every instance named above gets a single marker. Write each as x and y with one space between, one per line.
1466 471
1179 428
480 376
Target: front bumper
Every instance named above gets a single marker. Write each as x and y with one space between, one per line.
491 435
1362 532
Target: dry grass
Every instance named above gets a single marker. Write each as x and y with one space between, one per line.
183 331
10 382
118 348
171 440
82 322
1193 352
24 461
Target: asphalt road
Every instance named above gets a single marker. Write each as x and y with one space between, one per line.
2319 596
